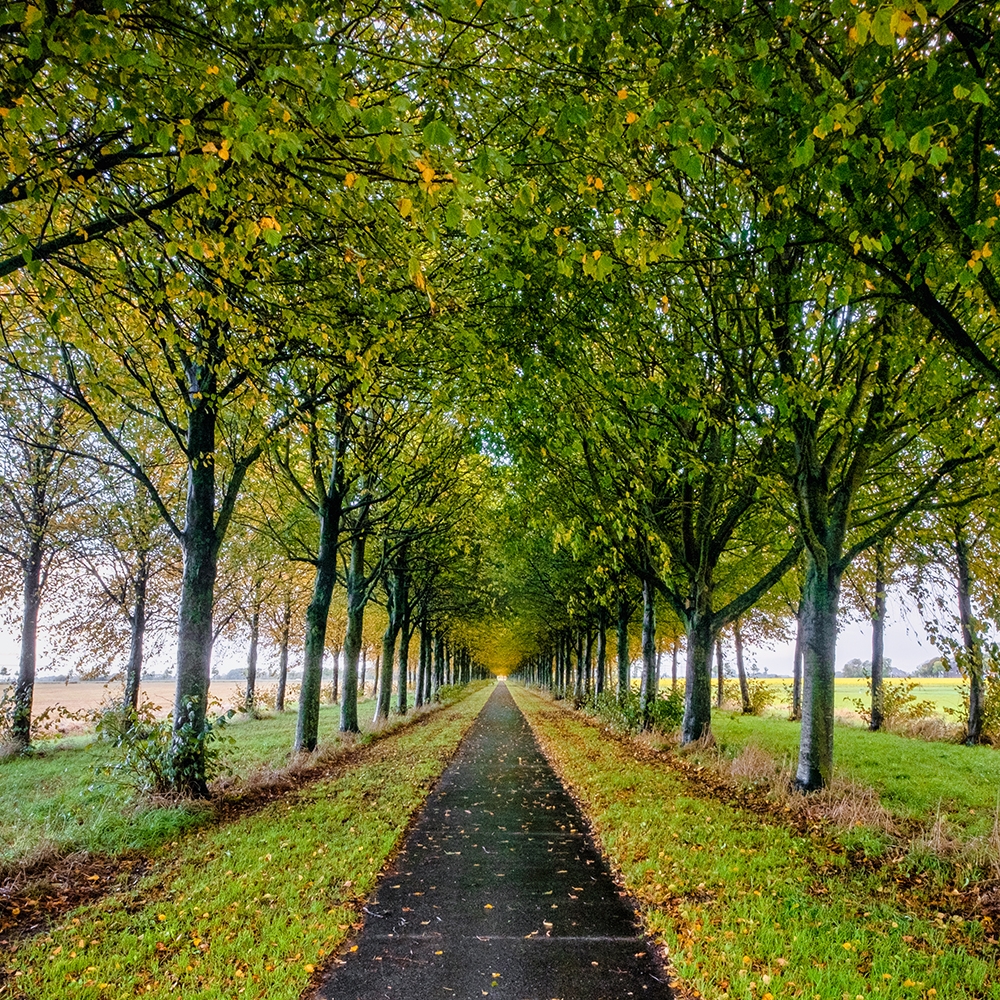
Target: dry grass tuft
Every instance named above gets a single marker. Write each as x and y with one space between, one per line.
931 729
755 765
847 805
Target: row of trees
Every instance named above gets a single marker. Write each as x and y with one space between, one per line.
713 285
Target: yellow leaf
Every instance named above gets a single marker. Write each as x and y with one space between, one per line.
631 117
439 953
405 207
212 70
622 94
598 183
900 22
354 947
350 179
309 968
488 906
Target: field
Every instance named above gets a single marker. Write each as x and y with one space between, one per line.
943 693
86 696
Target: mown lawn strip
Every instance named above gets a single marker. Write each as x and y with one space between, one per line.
748 909
253 908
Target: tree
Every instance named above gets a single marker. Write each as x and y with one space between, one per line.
39 489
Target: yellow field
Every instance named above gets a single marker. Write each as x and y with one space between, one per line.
85 696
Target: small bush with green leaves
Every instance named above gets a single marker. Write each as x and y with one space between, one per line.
626 714
153 756
899 703
762 695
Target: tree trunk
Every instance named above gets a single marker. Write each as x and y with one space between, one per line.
878 640
389 637
578 692
199 545
820 603
438 677
356 594
318 613
741 669
797 668
719 674
970 641
423 655
137 627
647 690
624 683
286 630
24 691
700 640
335 679
251 691
673 665
602 651
404 657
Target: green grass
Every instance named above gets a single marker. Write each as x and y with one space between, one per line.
914 778
748 909
249 909
57 801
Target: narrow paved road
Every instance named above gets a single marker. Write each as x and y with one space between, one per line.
498 891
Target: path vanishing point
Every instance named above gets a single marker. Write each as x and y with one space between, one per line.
498 891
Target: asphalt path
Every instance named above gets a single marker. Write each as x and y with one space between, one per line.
498 891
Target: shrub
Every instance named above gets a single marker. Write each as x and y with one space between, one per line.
668 709
899 703
762 695
142 752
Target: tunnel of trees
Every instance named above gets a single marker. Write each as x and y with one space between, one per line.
547 336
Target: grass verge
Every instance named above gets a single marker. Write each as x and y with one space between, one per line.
251 908
914 779
750 909
56 801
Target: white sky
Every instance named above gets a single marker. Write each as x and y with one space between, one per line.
905 642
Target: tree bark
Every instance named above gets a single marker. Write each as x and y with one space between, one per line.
878 641
720 674
251 691
330 513
820 604
438 677
602 651
404 658
970 640
199 544
137 629
741 669
20 729
700 640
356 595
796 714
624 682
286 630
647 690
389 636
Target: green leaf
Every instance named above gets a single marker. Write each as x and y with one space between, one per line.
882 27
436 133
938 155
920 143
804 152
473 228
979 96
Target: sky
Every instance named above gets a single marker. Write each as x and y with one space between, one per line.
906 644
